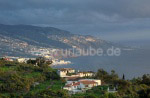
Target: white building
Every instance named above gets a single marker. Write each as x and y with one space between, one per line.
85 74
21 60
64 71
81 85
95 80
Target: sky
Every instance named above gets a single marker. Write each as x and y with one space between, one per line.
114 20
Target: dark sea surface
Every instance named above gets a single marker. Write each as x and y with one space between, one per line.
133 63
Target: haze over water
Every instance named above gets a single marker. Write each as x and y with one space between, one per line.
131 63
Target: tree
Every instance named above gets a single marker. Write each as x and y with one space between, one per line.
13 82
123 77
31 62
48 93
51 74
145 93
106 77
146 79
40 61
101 74
114 76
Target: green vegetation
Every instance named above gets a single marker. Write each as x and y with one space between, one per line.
135 88
27 80
41 81
95 92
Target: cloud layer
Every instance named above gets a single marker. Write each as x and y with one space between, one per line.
97 17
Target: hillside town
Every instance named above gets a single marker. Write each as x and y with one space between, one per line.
77 81
20 46
47 58
36 78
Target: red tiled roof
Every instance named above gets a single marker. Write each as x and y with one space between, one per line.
73 84
68 85
88 82
85 82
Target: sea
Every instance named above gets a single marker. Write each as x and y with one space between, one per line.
132 63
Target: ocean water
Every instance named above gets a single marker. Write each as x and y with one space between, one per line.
133 63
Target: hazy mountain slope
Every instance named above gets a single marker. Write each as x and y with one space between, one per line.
13 37
33 35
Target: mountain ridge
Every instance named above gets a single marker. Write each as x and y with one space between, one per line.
45 37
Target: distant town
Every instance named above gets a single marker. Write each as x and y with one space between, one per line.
48 58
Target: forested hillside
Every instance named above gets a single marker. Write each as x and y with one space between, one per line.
27 80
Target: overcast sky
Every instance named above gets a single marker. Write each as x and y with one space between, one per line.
114 20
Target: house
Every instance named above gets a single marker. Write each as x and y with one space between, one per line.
69 72
95 80
21 60
72 85
81 85
86 84
64 71
8 59
86 74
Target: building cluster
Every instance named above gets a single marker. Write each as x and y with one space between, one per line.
10 45
69 72
78 81
46 52
18 59
24 60
81 85
60 62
